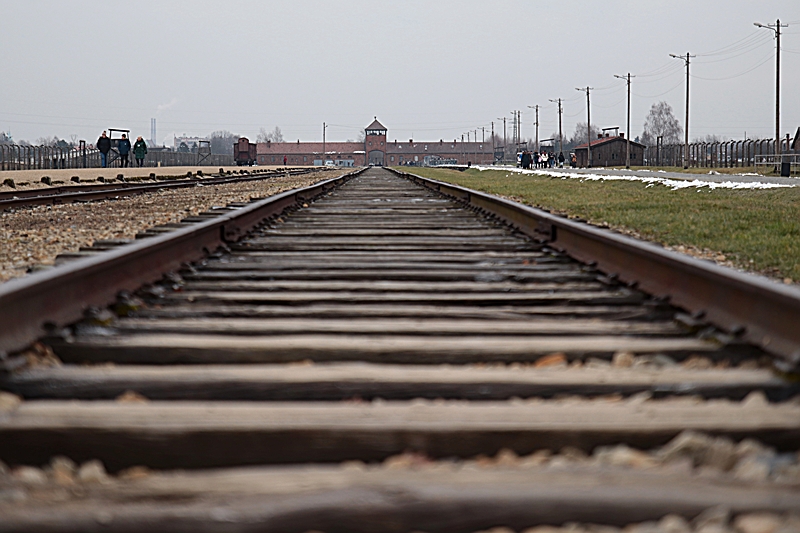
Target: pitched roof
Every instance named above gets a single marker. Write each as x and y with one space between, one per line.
597 142
437 147
375 125
308 148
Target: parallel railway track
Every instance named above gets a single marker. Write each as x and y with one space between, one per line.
368 354
103 191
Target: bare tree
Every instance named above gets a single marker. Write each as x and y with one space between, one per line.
579 136
660 122
275 135
222 142
46 141
708 139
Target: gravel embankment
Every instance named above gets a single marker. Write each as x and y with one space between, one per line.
36 235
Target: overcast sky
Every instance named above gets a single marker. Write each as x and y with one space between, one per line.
426 68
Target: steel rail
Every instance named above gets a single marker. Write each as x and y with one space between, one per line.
135 182
84 193
32 305
751 308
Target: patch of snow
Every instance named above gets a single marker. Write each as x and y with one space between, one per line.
673 184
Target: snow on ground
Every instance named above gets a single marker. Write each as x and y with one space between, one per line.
673 184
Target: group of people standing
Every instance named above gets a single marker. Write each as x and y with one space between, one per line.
124 148
544 159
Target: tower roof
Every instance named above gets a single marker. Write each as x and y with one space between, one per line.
376 125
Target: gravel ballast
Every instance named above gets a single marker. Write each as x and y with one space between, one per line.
36 235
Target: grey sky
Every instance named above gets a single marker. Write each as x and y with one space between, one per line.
431 69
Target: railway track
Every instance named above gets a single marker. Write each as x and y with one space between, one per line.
374 353
119 188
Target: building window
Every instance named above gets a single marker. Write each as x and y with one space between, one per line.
381 143
305 158
273 158
391 159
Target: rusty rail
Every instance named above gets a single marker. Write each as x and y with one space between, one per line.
85 193
32 305
751 308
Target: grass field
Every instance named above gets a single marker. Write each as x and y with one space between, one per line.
762 170
699 170
758 230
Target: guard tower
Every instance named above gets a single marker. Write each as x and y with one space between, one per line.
375 143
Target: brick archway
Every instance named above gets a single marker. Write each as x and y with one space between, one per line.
376 157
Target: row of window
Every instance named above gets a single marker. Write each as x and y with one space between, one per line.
279 159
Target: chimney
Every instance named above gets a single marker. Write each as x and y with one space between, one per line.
621 135
599 135
411 141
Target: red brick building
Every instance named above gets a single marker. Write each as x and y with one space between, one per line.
610 152
375 150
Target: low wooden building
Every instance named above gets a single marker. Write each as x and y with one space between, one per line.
610 152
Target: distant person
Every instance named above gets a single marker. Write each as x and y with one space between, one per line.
561 159
104 146
573 161
124 147
526 160
284 160
139 151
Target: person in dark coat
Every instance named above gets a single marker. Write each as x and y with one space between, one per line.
561 159
124 147
104 146
139 151
284 160
526 160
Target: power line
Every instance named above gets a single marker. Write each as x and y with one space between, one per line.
736 46
767 58
660 94
745 52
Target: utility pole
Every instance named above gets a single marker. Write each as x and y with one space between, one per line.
493 148
514 134
504 139
686 128
588 126
536 138
628 133
324 127
777 29
560 135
